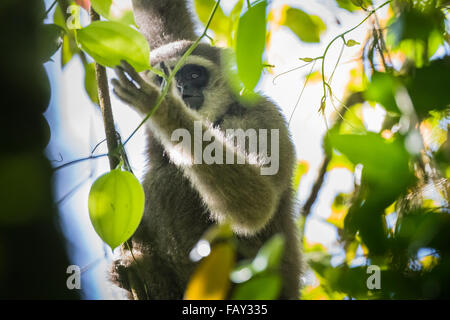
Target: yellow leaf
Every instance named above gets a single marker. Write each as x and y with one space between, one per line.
301 168
315 77
314 293
337 216
429 262
350 251
210 280
339 161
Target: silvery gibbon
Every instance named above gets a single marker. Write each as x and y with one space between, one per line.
184 197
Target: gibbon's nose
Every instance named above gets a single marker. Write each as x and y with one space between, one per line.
189 90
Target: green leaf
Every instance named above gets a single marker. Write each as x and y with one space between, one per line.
234 22
263 287
301 168
428 87
267 260
382 89
116 205
269 256
68 50
351 43
362 3
347 5
339 161
110 42
103 7
353 120
339 210
90 82
307 28
250 44
58 17
423 228
219 23
415 24
51 39
371 150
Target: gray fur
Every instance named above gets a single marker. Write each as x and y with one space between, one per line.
163 21
184 199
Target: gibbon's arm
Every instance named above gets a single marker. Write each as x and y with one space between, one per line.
237 193
163 21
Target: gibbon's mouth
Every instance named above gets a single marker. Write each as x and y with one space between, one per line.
193 101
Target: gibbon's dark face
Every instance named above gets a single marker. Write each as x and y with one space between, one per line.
191 80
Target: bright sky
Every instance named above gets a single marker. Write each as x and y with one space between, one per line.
77 127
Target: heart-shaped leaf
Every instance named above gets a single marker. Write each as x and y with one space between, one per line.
116 205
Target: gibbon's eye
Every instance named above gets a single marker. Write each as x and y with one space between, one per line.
193 75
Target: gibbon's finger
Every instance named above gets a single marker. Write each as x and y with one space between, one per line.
128 85
132 73
123 79
146 86
129 92
122 96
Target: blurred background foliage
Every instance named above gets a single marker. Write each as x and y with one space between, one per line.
397 216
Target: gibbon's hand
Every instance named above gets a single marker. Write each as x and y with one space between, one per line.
132 89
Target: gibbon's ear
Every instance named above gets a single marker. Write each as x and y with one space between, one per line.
163 21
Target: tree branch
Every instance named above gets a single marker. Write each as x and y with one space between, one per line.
105 106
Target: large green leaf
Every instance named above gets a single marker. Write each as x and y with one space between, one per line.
307 28
250 44
116 205
385 176
428 87
416 25
385 163
233 21
382 89
110 42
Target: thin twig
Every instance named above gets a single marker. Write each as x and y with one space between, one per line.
341 36
67 164
301 93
